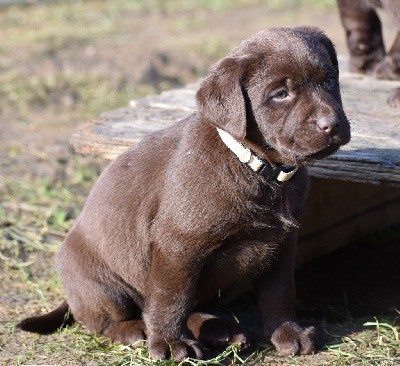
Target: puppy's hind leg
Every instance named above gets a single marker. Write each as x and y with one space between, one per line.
216 332
107 308
131 332
99 299
111 314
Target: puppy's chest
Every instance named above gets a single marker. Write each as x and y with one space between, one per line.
231 269
269 215
245 257
249 250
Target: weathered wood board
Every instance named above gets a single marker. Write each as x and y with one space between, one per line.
353 192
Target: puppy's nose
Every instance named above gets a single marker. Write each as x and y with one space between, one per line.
328 124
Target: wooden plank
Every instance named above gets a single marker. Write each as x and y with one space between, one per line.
372 156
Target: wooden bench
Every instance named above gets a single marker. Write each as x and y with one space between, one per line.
354 192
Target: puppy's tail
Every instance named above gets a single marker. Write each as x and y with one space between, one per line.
48 323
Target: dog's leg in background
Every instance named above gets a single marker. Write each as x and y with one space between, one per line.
276 300
389 67
363 35
393 8
394 53
365 41
394 97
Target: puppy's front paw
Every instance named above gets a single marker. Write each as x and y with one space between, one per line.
290 339
160 349
394 98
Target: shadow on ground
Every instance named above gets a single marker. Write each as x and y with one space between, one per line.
341 291
360 280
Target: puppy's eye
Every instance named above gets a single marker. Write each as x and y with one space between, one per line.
279 94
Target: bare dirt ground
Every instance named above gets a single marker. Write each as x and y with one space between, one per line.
63 63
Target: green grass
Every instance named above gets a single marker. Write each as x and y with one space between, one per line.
84 20
36 215
87 348
378 344
62 91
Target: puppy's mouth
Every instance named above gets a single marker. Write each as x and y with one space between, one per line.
299 155
323 153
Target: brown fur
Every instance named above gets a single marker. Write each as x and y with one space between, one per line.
177 223
365 41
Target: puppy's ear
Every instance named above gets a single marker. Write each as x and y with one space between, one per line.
324 40
220 98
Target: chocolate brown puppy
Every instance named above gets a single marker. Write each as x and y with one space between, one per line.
195 214
365 42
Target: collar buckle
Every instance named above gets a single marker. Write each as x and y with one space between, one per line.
281 173
285 176
245 155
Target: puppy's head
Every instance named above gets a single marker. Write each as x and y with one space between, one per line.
280 91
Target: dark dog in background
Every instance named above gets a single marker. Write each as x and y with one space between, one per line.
197 213
365 41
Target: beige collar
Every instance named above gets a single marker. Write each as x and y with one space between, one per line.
281 173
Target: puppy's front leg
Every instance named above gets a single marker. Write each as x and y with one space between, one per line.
170 291
276 301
